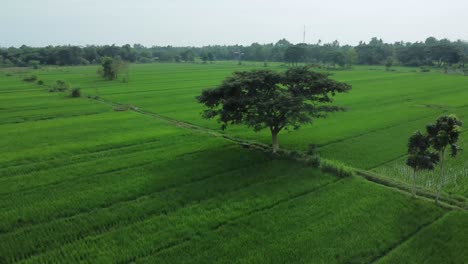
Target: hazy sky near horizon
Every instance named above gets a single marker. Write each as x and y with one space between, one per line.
204 22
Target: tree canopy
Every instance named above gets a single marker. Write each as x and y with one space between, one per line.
275 100
443 134
432 52
420 155
111 67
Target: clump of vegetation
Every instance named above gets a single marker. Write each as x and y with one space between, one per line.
313 161
75 92
112 67
420 157
425 151
59 86
336 168
30 78
295 154
123 107
442 135
312 149
425 69
389 63
40 82
34 64
95 97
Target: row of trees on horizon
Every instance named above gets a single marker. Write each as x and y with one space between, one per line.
431 52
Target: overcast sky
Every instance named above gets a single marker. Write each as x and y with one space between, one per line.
204 22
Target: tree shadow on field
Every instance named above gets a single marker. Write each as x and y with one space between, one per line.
200 165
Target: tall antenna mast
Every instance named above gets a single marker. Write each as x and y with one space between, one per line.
303 36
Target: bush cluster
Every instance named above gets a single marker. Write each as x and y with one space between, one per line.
59 86
75 92
30 78
425 69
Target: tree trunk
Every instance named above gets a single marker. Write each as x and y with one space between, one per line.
274 139
414 183
441 177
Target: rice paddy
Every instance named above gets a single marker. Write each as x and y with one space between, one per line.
82 182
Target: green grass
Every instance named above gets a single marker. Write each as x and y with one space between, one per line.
321 227
384 108
84 183
442 242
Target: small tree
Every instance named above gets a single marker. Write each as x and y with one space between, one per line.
112 67
268 99
444 133
420 156
75 92
389 63
35 64
210 57
204 57
107 71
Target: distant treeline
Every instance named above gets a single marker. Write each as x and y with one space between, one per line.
431 52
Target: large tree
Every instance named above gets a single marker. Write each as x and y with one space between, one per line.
267 99
442 135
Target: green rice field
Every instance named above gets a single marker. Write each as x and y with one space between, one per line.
84 183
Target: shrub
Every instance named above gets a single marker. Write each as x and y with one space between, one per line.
95 97
294 154
31 78
40 82
313 161
59 86
144 60
84 61
336 168
312 149
119 108
425 69
75 92
34 64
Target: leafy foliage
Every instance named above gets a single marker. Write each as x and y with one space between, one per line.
420 156
111 67
336 168
59 86
432 52
30 78
75 92
445 133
